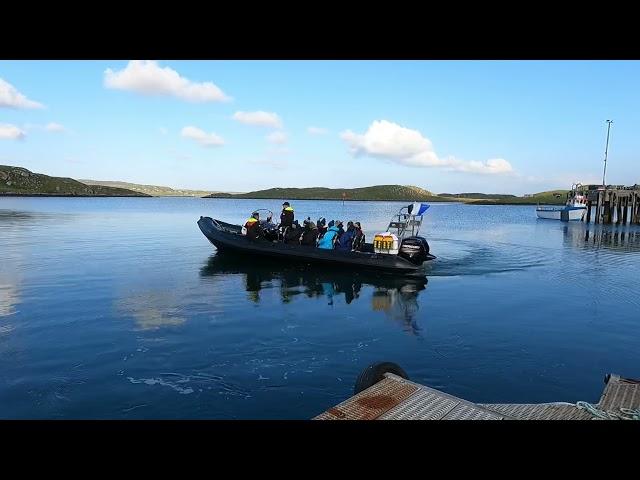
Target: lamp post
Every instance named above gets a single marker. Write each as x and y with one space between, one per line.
606 150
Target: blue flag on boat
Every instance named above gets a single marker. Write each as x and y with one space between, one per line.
417 208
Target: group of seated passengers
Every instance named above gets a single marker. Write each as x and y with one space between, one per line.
321 235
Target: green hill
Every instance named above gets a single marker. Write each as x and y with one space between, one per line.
478 196
154 190
20 181
377 192
552 197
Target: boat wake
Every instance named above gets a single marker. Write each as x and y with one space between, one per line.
464 257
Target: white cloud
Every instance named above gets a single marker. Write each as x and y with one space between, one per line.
11 132
147 77
390 141
278 138
54 127
317 130
10 97
259 118
203 138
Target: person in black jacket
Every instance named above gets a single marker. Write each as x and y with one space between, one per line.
309 233
292 234
358 239
252 226
286 217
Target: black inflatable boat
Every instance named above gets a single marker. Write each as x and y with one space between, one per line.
413 251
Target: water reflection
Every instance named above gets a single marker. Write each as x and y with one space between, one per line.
396 296
615 238
9 298
151 310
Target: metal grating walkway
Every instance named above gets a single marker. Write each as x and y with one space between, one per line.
395 398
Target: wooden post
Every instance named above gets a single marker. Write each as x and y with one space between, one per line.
624 211
598 202
606 214
618 209
588 213
633 206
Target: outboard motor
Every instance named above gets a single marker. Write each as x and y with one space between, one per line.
414 249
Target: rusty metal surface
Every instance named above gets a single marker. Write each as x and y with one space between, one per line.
430 404
620 393
372 402
395 398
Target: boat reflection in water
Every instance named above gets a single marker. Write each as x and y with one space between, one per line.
616 238
395 295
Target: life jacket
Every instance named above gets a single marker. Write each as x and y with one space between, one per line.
328 238
286 217
252 228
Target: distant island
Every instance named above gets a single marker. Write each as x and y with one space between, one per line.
18 181
402 193
153 190
377 192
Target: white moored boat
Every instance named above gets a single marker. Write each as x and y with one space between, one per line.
574 209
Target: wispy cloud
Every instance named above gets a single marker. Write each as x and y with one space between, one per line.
259 118
317 131
203 138
148 78
11 132
390 141
163 131
10 97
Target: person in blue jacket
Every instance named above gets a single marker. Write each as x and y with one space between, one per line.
329 239
345 242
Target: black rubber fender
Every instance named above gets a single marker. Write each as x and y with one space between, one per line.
375 372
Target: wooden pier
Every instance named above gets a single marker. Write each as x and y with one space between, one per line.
396 398
613 204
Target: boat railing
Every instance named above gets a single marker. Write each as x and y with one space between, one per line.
405 224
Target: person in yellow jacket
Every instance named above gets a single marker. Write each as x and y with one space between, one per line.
286 217
252 226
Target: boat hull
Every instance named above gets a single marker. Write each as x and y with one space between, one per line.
570 213
226 237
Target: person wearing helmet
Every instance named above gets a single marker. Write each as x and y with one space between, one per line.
252 226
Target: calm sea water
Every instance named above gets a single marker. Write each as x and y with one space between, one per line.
121 309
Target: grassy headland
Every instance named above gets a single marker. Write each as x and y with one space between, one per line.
153 190
18 181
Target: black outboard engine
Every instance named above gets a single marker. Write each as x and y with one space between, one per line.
414 249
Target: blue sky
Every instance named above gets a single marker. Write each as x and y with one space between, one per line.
447 126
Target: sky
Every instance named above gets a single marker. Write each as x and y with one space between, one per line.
447 126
